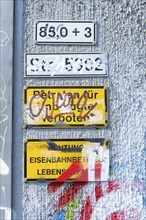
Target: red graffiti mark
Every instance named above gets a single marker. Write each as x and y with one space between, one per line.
67 99
84 175
98 191
70 193
66 198
53 187
86 210
113 186
118 215
87 206
73 189
125 214
83 180
75 167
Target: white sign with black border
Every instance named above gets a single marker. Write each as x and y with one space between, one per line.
65 65
65 32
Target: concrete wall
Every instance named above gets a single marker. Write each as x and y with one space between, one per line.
121 34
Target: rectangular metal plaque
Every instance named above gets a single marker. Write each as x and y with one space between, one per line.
65 32
66 160
68 65
66 106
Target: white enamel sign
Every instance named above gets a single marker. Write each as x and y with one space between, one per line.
65 32
69 65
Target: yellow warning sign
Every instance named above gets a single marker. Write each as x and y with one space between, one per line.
66 106
64 160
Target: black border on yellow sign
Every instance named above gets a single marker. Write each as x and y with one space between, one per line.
71 125
96 140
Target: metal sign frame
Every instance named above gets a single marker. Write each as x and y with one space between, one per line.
68 43
70 125
102 141
76 75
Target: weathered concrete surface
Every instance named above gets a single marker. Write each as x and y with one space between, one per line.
121 34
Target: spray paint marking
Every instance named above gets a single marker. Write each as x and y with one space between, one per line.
87 211
117 215
47 106
87 206
62 102
70 194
